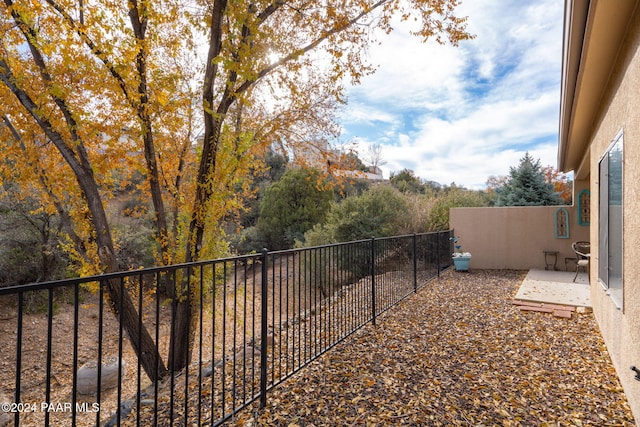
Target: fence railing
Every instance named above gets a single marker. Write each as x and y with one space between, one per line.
255 320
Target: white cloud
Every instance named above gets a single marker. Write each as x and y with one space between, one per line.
358 112
463 114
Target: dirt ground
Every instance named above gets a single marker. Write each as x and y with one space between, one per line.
231 305
34 409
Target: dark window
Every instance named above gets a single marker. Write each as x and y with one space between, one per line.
610 219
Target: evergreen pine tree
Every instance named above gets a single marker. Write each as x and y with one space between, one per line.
527 186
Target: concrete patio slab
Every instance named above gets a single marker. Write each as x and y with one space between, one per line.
555 287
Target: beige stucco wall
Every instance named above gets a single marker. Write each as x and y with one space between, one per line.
620 110
515 237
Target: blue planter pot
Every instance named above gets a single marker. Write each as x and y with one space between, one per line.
461 263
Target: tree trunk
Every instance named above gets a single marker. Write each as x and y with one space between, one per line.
183 326
121 303
124 309
183 298
139 24
79 163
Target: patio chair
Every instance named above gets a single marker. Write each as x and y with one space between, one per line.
583 253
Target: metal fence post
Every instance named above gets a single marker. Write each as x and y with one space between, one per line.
373 280
438 251
263 331
18 376
415 263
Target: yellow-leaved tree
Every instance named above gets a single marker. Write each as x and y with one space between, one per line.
78 107
188 93
280 44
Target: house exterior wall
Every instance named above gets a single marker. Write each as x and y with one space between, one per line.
515 237
620 110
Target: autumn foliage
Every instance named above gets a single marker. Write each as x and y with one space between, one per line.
187 95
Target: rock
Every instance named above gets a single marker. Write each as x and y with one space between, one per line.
583 310
88 376
247 352
207 371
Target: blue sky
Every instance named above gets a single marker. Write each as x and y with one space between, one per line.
461 114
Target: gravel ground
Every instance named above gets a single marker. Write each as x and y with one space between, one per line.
457 353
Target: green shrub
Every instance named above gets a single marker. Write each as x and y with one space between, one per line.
378 212
438 218
291 206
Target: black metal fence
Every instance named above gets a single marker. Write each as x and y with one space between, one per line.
66 359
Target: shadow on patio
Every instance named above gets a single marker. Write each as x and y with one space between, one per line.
457 353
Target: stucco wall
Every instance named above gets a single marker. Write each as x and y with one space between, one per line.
514 237
620 110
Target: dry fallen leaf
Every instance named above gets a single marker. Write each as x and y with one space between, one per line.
457 353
